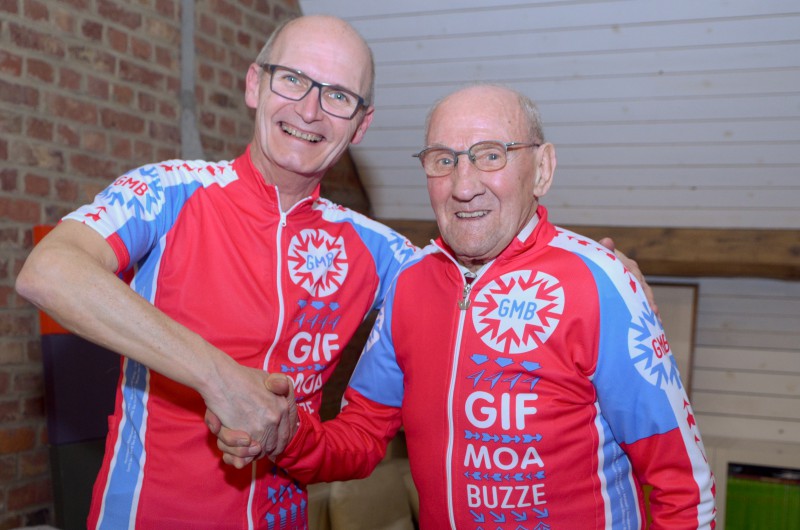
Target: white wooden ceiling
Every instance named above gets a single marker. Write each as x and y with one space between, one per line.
679 113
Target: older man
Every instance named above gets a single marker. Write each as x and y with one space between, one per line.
530 373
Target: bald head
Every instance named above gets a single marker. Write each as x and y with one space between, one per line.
476 97
336 32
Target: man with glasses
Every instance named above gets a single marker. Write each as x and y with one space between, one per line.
241 270
532 377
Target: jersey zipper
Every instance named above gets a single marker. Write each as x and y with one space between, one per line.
463 305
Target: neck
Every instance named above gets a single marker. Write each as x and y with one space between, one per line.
292 187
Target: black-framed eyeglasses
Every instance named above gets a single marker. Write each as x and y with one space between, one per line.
295 85
489 155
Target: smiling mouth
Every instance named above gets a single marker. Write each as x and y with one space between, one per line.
472 215
291 131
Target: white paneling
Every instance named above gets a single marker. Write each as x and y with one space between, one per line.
746 428
757 384
744 405
758 360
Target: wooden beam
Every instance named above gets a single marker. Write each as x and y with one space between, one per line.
680 251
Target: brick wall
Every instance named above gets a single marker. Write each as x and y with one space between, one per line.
89 89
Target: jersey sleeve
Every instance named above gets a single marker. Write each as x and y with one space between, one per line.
352 444
645 404
138 208
346 447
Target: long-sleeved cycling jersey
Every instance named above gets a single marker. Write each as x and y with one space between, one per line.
281 291
539 394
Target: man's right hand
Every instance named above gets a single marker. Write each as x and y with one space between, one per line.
271 432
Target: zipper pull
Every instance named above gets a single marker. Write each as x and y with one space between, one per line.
463 304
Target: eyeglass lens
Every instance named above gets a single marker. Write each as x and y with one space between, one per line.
333 100
486 156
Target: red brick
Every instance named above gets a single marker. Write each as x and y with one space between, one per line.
117 39
114 12
143 151
16 439
98 88
98 61
25 37
94 141
35 10
34 464
167 110
28 382
141 48
5 383
33 408
55 212
16 324
167 8
40 129
122 149
244 39
16 209
37 155
27 495
68 136
140 75
92 167
10 122
81 5
227 10
90 189
164 132
71 109
166 57
69 79
8 179
40 70
8 469
9 6
147 103
37 185
10 63
123 95
9 409
121 121
208 25
16 94
92 30
64 20
66 190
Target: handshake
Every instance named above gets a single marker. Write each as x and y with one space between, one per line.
264 426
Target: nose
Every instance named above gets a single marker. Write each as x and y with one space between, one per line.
308 107
466 180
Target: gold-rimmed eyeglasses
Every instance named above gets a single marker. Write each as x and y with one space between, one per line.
489 155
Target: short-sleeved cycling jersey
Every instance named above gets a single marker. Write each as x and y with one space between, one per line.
281 291
540 393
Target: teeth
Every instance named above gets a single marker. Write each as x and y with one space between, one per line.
297 134
470 215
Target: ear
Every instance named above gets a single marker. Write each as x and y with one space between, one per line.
252 85
545 168
361 130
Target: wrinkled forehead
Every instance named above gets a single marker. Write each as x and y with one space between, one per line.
471 116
